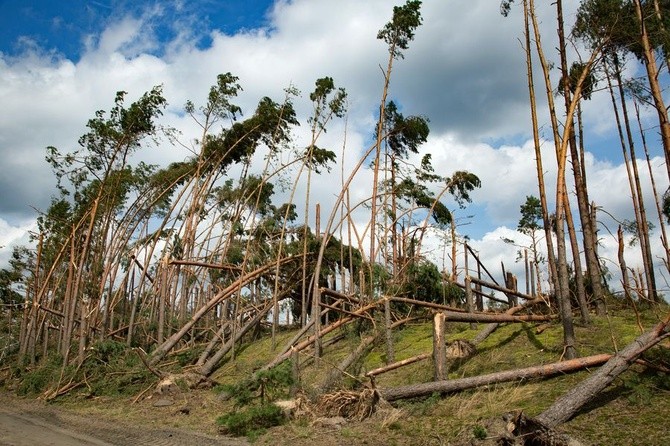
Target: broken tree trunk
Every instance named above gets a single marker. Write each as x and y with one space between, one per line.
306 343
170 342
496 287
439 348
457 385
490 328
359 352
567 405
397 365
495 317
210 366
220 336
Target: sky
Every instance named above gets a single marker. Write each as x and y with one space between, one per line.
465 71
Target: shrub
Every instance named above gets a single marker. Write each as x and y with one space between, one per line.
252 421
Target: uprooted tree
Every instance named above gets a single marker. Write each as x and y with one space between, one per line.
198 254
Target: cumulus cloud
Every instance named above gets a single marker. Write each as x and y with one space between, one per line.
465 71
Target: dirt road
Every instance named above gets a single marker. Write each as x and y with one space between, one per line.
42 426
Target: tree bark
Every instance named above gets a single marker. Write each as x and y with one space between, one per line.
568 405
457 385
169 343
495 317
397 365
439 348
210 366
656 92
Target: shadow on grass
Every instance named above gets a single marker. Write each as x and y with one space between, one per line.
530 334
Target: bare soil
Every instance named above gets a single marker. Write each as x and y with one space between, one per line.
35 423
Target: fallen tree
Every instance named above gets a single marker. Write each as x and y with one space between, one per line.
452 316
310 339
456 385
224 294
490 328
356 355
567 406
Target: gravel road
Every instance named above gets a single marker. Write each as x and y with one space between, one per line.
21 426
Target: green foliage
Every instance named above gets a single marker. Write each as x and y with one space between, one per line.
270 125
461 184
404 135
251 422
531 215
104 351
631 228
424 282
39 378
614 24
506 7
111 139
479 432
252 191
266 385
400 30
574 75
318 158
218 101
666 205
14 280
422 197
327 101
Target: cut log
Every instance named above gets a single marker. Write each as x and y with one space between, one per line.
567 406
457 385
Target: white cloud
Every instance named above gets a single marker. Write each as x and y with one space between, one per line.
465 71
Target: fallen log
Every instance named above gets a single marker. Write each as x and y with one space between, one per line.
211 364
490 328
425 304
359 352
567 406
224 294
457 385
397 364
497 317
496 287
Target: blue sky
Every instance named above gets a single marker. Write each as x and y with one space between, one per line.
61 61
64 25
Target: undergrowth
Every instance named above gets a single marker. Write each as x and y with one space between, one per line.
110 368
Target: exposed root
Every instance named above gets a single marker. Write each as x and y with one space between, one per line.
349 404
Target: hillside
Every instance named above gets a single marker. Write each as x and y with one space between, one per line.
118 387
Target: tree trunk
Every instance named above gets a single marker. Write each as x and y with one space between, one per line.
397 365
491 327
439 348
457 385
169 343
491 317
210 366
568 405
577 262
654 84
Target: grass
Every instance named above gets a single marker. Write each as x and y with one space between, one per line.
639 401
